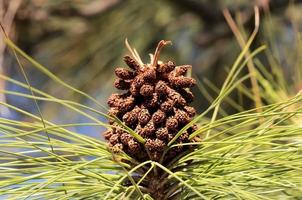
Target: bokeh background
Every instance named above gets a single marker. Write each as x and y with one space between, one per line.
82 41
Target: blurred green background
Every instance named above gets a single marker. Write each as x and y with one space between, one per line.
82 41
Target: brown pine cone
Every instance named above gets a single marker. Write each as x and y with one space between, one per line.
134 90
126 105
155 105
138 81
182 81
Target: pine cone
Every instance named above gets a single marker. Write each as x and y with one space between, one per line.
155 105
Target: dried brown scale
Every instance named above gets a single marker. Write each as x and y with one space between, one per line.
144 117
138 81
171 123
162 133
146 90
152 101
114 126
114 139
112 120
171 65
155 145
149 75
134 90
155 106
193 128
158 117
149 129
182 81
184 137
163 77
125 138
181 116
107 134
166 67
130 118
134 146
117 148
161 88
121 84
170 136
182 70
114 100
187 95
136 110
123 73
119 131
138 129
176 97
113 112
131 63
167 106
126 105
190 110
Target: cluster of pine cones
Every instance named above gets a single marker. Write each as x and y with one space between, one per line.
155 105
